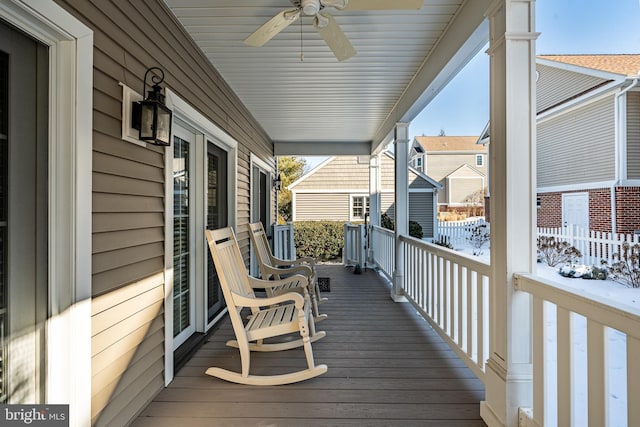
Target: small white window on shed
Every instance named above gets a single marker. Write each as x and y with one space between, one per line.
479 160
359 207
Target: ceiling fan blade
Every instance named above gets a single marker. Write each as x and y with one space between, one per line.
332 34
381 4
272 27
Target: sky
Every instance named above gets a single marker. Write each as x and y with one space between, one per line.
565 27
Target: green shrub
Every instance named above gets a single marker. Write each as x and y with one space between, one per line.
319 239
415 229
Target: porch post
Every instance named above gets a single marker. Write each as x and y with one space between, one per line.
374 190
508 379
374 204
401 201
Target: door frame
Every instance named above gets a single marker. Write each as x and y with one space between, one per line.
206 131
70 42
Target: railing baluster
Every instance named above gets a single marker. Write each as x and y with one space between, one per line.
596 373
469 309
538 361
480 321
565 401
633 380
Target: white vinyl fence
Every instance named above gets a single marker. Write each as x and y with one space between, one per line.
283 245
456 232
593 245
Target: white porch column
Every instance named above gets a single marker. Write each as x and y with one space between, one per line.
374 190
401 202
374 203
508 378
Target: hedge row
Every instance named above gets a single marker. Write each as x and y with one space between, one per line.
322 240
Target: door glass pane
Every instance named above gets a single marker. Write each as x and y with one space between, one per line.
181 267
3 217
216 218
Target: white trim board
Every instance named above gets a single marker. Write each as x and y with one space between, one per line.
68 376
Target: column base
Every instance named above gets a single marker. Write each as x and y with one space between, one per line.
505 394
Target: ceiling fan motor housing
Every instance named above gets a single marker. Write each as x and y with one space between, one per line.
310 7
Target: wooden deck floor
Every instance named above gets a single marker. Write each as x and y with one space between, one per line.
387 367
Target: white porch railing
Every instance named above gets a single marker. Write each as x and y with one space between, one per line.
450 290
383 245
354 252
452 293
283 244
594 245
585 351
585 358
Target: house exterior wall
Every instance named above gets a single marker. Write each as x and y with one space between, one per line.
441 164
325 194
627 201
128 194
577 147
321 207
628 209
460 189
339 173
633 135
556 85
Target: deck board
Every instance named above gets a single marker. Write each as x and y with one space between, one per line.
387 367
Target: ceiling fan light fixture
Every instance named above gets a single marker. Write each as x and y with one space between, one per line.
310 7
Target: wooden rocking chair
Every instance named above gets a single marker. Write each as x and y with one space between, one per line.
271 317
272 267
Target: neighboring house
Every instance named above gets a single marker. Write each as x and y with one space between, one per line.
338 190
455 162
588 141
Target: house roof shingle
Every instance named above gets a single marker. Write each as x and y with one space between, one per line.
450 143
625 64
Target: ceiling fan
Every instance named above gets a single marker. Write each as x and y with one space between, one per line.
324 23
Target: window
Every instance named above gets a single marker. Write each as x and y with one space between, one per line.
419 163
479 160
359 207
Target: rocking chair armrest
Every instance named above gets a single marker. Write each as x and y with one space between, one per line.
294 262
260 283
298 269
294 297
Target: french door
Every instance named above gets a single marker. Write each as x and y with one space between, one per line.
23 216
199 202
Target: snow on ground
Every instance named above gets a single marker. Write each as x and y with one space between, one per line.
605 291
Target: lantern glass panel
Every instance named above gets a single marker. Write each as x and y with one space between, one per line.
146 120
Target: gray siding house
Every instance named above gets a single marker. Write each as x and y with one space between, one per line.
455 162
338 190
588 141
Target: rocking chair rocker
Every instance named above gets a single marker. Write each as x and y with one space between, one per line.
271 317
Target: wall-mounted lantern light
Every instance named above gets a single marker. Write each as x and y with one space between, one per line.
277 183
152 117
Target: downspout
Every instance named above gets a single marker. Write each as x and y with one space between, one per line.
620 121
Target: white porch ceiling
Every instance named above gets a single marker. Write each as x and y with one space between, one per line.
320 105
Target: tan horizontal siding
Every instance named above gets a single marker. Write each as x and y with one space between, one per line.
463 189
633 135
340 173
577 146
322 207
555 86
440 165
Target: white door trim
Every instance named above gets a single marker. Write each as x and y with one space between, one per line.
68 378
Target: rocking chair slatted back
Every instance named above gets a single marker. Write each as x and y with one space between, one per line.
272 267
